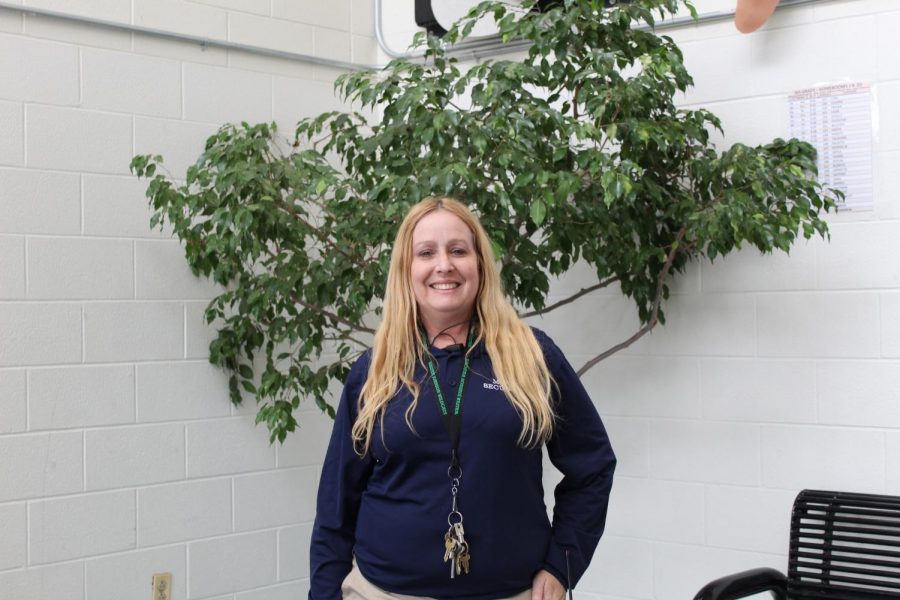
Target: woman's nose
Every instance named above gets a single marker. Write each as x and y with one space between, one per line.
444 262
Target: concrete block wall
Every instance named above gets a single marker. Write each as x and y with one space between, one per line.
120 453
774 373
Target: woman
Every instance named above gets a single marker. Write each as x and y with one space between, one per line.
431 485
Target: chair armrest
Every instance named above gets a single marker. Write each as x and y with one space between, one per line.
745 583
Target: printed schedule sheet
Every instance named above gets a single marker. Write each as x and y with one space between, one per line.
837 120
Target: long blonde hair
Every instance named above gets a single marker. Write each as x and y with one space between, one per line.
516 356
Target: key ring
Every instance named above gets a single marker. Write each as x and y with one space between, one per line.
450 518
450 472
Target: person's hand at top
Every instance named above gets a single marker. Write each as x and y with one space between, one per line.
751 14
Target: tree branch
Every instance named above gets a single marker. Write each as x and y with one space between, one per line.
320 235
571 298
654 314
318 309
345 336
612 121
507 258
578 87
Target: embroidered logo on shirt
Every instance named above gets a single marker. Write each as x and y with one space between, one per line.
495 385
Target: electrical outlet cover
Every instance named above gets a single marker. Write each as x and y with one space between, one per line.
162 586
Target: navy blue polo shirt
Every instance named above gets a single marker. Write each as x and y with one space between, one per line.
389 509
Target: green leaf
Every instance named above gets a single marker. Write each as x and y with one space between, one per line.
538 212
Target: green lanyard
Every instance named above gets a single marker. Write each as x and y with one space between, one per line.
451 421
456 548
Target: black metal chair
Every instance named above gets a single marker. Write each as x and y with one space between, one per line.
843 547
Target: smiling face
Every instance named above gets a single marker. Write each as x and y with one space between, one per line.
444 269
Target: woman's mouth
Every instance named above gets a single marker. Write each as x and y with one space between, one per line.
444 285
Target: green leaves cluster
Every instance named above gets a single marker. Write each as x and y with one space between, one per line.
575 151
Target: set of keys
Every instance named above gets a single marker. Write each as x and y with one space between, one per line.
456 549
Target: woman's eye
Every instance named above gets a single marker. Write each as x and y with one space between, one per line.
425 253
459 251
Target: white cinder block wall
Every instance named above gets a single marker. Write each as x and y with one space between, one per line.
774 373
120 455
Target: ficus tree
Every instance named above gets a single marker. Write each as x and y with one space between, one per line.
572 150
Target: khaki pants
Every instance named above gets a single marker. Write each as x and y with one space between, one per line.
357 587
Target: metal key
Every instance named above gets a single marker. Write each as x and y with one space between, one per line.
461 554
462 561
449 546
459 532
452 549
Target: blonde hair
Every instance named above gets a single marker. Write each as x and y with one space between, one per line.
516 356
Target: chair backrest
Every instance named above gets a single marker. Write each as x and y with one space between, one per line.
844 546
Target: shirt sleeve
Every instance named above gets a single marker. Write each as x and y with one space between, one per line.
580 449
343 480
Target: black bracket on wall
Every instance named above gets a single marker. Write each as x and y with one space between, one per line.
425 18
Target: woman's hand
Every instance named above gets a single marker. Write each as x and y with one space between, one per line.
547 587
751 14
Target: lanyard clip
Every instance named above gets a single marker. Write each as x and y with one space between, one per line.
454 471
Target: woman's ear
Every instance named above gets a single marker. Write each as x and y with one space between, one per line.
751 14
